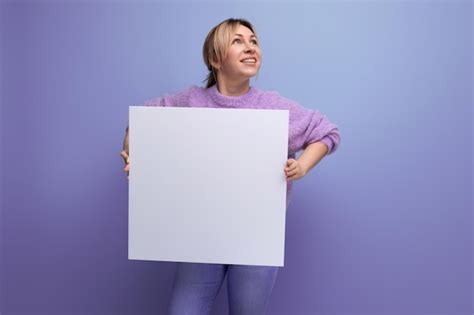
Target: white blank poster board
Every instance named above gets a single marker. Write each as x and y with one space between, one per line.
207 185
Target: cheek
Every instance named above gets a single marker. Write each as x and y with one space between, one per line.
229 62
233 59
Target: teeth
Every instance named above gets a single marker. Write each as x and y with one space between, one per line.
250 60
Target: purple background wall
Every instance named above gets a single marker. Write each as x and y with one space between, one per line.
383 226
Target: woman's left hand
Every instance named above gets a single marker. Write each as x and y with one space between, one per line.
294 169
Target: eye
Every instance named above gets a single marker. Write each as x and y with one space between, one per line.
254 42
237 40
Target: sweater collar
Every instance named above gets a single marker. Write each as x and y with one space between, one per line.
243 100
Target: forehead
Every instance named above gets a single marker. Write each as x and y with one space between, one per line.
243 30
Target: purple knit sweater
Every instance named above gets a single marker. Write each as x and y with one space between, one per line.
305 125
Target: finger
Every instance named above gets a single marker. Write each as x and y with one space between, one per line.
124 157
289 174
290 161
124 154
127 168
292 166
294 177
126 160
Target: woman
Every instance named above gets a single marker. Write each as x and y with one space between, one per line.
232 54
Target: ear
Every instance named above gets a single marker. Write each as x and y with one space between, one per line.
215 64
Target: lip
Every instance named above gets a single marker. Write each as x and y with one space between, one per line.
242 60
255 64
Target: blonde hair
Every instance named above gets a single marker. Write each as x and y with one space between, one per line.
216 44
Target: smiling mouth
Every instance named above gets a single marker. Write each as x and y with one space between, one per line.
251 60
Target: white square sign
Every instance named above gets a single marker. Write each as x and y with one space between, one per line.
207 185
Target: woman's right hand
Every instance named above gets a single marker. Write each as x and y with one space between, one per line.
126 159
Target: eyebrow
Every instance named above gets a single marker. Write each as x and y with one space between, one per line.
243 35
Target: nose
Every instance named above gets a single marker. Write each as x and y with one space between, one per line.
249 49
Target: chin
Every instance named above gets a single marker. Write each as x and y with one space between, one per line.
250 74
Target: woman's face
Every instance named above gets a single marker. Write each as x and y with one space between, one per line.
243 55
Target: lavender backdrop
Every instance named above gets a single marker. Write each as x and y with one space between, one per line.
383 226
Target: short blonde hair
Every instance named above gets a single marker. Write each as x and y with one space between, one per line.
216 44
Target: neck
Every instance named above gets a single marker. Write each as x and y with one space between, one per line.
228 88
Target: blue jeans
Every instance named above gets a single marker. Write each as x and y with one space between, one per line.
196 286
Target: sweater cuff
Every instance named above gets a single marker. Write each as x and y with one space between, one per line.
328 142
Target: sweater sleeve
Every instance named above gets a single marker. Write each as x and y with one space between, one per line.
308 126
